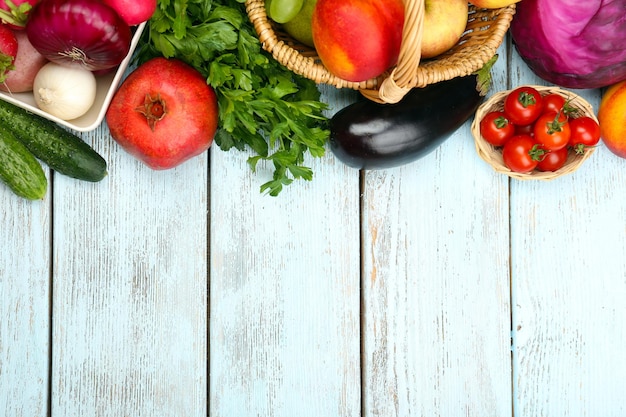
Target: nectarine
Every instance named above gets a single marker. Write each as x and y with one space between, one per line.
612 118
358 39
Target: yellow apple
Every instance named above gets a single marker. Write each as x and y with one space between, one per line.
444 24
492 4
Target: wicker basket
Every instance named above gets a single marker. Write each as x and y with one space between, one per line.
493 155
484 33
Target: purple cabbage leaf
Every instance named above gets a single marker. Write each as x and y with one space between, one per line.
572 43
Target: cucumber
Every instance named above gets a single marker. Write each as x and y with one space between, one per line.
60 149
19 169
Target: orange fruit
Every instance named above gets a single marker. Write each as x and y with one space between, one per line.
612 118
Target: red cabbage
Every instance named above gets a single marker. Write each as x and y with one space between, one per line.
572 43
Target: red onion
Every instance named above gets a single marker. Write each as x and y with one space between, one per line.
79 33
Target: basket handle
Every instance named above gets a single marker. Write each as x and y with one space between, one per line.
402 77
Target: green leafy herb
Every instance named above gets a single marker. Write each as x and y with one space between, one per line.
263 105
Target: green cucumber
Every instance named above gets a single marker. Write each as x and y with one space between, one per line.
19 169
60 149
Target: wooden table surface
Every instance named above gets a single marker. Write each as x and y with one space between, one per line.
440 288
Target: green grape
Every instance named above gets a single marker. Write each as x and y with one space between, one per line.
282 11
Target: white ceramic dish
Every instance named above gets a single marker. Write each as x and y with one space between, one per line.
106 87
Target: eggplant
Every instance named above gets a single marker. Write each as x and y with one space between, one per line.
370 135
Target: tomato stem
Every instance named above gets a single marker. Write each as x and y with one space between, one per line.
581 148
501 122
537 153
526 99
556 125
569 110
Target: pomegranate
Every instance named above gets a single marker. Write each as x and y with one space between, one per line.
164 113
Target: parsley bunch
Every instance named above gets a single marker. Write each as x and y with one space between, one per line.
262 104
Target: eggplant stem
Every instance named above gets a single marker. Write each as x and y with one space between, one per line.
483 76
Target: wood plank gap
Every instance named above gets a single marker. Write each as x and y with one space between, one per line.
509 85
509 55
511 299
50 289
361 295
208 290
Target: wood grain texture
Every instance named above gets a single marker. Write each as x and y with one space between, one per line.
396 293
130 290
284 292
568 241
436 288
24 305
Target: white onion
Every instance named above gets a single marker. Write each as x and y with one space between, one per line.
66 93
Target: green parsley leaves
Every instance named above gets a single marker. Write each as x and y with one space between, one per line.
263 105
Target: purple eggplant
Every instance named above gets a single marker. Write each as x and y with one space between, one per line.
369 135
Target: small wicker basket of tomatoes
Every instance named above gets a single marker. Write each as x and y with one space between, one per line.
535 132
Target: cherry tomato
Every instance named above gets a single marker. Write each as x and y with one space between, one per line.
558 103
585 133
523 105
495 128
553 160
552 131
524 130
521 153
553 102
